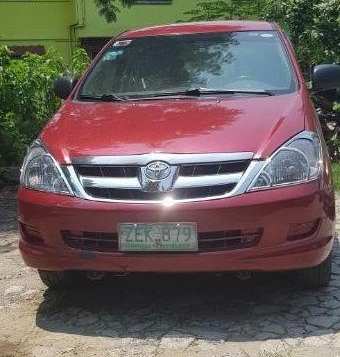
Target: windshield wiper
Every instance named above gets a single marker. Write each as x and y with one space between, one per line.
197 92
194 92
103 97
204 91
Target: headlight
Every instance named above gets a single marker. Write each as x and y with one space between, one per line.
297 161
41 172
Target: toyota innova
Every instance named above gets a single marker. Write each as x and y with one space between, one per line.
184 148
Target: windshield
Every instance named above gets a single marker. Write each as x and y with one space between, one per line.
235 61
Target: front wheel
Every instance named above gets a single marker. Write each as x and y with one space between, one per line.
315 277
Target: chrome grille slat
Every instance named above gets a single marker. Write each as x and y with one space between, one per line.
110 182
194 177
182 181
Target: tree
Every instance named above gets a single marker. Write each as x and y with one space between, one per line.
224 10
109 8
313 27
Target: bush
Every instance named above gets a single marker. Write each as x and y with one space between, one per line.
313 27
27 99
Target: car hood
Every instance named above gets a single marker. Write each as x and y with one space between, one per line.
258 124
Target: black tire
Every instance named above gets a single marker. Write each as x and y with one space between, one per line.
61 279
315 277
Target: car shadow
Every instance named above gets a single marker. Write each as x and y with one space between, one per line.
207 307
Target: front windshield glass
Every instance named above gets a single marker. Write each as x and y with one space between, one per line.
244 61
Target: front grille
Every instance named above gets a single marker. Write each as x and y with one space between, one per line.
177 194
193 176
207 241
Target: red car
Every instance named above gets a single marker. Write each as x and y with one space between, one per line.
184 148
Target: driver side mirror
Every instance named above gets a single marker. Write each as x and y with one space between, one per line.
63 86
326 77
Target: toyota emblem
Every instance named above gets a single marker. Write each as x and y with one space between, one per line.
157 170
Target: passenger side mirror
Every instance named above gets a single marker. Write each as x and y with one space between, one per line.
326 77
63 86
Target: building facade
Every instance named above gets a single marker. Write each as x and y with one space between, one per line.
36 25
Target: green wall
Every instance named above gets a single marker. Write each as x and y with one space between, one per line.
37 22
49 22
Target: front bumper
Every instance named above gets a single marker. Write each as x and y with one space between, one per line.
273 210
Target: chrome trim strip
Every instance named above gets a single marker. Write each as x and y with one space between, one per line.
212 180
253 169
72 178
182 181
110 182
172 159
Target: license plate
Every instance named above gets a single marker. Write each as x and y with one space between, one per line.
145 237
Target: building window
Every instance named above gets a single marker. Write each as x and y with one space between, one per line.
19 51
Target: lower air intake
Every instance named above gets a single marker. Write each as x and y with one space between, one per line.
207 241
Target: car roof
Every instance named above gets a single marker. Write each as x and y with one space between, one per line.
199 27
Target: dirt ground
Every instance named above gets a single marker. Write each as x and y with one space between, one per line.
161 315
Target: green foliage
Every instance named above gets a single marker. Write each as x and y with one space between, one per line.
27 99
313 27
79 62
225 10
336 175
109 8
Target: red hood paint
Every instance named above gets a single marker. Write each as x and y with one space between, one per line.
258 124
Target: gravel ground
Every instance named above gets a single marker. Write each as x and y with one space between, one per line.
162 315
